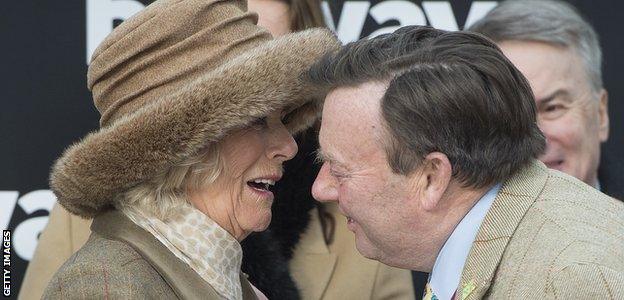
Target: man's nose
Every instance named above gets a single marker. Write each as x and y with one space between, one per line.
324 188
547 129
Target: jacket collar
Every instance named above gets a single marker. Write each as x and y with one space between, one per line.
511 204
313 263
185 283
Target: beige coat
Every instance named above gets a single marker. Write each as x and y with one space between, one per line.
547 236
122 261
320 271
338 271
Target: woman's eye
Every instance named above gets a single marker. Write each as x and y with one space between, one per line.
285 119
260 122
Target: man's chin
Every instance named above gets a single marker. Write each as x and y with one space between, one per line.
366 249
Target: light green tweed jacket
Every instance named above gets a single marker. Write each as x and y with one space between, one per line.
123 261
547 236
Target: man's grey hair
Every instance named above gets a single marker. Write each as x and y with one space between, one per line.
549 21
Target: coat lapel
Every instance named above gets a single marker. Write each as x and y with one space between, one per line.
183 280
312 263
512 202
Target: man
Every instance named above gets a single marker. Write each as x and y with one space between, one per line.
429 142
558 52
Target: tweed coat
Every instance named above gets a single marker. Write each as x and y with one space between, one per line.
123 261
339 264
547 236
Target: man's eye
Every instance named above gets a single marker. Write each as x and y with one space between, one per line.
552 108
337 174
552 111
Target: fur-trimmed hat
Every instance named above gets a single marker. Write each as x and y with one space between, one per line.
176 76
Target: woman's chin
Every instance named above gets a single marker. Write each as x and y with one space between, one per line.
260 222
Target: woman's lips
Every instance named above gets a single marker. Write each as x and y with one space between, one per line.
261 192
263 185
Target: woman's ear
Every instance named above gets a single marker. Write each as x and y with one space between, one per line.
432 179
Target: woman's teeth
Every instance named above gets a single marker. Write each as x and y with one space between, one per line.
264 184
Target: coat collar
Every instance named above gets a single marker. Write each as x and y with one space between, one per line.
181 278
313 263
514 199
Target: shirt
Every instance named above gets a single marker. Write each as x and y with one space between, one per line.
449 264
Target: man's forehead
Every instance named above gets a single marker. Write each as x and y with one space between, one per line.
360 99
353 108
548 68
351 121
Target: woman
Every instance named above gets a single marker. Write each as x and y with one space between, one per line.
197 109
316 246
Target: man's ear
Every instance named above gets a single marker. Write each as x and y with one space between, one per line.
603 116
432 179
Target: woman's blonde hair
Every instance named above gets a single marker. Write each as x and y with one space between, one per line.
161 196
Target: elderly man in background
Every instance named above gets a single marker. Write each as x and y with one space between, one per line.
559 53
429 142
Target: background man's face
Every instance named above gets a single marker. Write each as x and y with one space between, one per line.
356 174
571 114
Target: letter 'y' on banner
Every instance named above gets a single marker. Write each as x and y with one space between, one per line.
100 17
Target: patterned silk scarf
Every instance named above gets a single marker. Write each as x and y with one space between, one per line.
202 244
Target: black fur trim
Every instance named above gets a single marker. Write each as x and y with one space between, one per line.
291 210
266 266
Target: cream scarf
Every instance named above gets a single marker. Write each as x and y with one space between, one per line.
202 244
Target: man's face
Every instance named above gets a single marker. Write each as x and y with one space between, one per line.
572 115
355 173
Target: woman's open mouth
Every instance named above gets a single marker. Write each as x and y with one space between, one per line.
262 185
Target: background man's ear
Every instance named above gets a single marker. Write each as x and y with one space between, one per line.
603 111
433 179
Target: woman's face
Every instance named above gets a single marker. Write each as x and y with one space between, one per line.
274 15
240 199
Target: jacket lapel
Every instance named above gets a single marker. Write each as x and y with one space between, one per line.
512 202
183 280
312 263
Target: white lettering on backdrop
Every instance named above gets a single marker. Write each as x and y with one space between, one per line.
26 234
102 13
100 17
439 13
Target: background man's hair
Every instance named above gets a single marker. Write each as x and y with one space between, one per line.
451 92
553 22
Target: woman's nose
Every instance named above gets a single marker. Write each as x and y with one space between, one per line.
283 146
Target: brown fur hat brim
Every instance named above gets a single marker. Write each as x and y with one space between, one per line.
135 148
